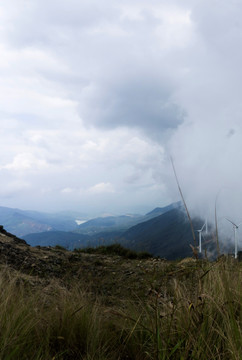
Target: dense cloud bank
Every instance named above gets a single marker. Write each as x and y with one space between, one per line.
96 97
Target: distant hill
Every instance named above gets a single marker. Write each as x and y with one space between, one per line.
168 235
163 232
22 222
71 240
162 210
68 240
108 223
120 223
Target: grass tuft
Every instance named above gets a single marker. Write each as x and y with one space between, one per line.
197 314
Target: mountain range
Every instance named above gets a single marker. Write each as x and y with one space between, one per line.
120 223
168 235
164 231
22 222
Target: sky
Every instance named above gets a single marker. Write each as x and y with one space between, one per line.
95 97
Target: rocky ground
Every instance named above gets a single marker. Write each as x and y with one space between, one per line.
111 276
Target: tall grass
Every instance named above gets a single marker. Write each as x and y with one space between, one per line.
192 323
198 319
49 323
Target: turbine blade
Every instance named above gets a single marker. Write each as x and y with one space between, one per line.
231 222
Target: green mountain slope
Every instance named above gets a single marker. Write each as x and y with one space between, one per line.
120 223
168 235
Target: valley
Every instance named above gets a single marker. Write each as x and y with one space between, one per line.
163 232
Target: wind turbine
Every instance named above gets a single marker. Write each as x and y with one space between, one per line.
235 227
206 223
200 236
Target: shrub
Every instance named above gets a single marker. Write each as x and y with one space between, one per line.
116 249
59 247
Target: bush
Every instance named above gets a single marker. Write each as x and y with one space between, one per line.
116 249
59 247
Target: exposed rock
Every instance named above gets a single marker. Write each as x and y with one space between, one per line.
16 239
111 276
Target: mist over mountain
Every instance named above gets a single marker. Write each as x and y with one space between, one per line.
120 223
99 231
161 210
22 222
108 223
164 231
94 232
167 235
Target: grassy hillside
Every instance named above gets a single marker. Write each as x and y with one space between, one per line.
110 303
186 310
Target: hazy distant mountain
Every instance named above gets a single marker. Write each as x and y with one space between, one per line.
168 235
22 222
108 223
120 223
161 210
69 240
72 240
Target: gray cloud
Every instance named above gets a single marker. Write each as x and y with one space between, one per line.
110 64
101 93
50 24
139 102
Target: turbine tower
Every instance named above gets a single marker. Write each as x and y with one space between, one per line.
200 236
235 227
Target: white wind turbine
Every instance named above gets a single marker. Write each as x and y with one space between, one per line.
235 227
200 235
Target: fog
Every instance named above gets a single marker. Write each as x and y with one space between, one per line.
96 98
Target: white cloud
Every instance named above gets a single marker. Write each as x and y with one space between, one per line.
26 161
101 93
67 190
12 188
176 29
101 188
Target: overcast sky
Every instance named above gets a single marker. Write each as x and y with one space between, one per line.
95 96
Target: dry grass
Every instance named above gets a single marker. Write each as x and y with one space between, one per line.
196 316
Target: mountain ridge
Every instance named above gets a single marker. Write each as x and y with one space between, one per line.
22 222
167 235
